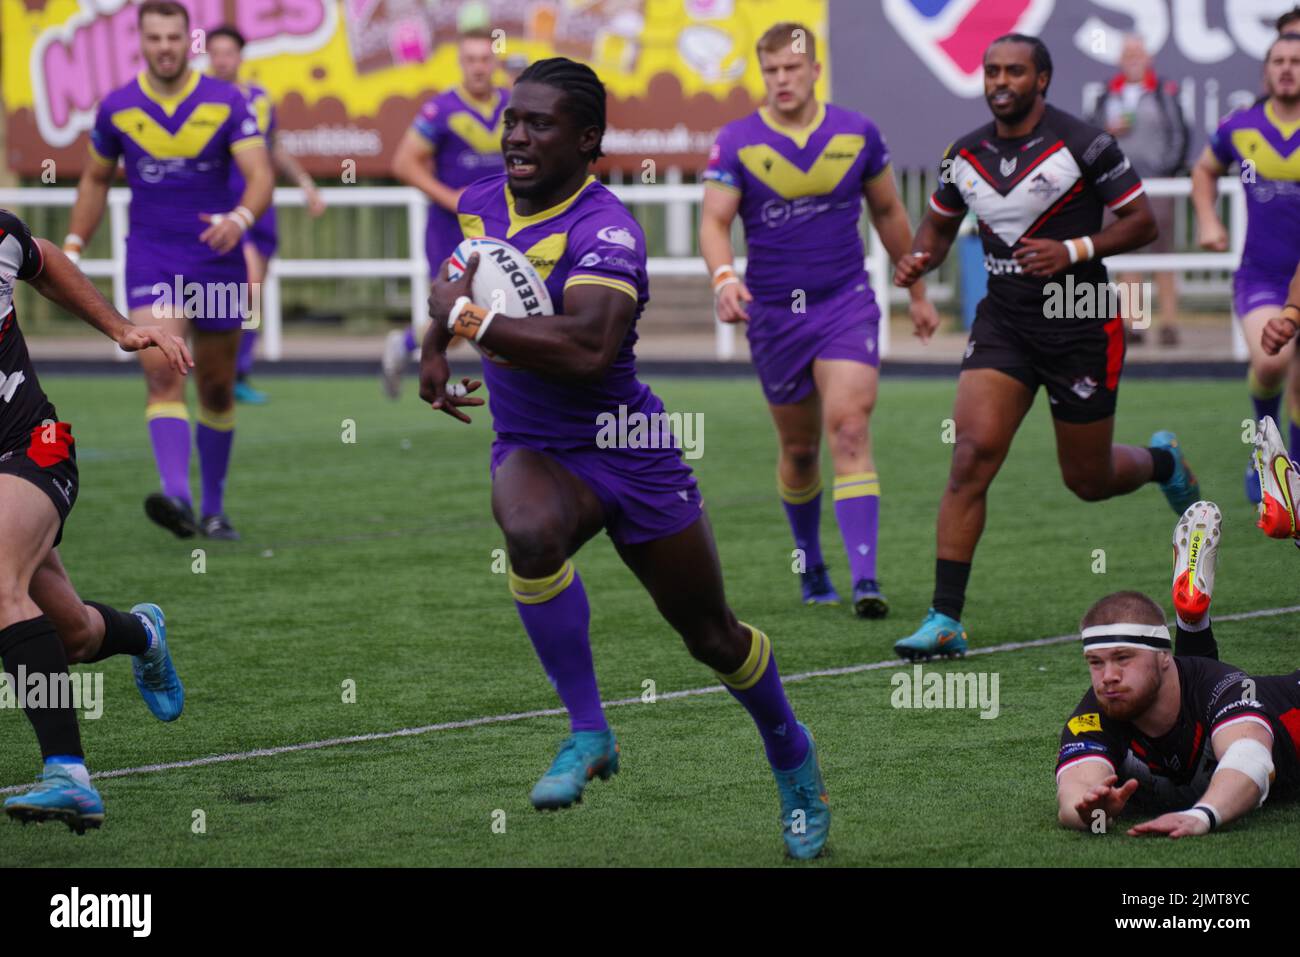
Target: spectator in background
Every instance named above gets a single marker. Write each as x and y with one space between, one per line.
1141 111
1289 22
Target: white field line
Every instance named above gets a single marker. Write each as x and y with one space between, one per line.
620 702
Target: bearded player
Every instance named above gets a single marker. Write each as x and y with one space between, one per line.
797 171
553 487
178 132
1038 180
454 141
1185 732
43 623
225 56
1264 142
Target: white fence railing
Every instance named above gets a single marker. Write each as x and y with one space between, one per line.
678 197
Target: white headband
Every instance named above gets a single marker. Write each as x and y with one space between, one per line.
1125 635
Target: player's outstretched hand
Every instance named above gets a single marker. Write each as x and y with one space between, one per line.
223 233
444 291
731 300
925 319
910 268
1278 331
434 389
1042 257
1174 824
1105 796
135 338
1213 236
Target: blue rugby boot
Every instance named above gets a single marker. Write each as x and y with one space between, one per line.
155 675
583 756
805 812
817 587
938 635
868 601
58 797
1253 493
1182 490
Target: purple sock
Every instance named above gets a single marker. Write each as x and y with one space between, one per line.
803 507
857 510
169 431
757 686
409 340
555 614
1269 405
214 435
247 343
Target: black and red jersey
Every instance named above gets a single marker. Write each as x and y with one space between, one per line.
1214 695
23 406
1051 184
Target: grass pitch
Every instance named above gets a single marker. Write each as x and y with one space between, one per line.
371 563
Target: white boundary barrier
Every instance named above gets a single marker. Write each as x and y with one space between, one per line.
678 197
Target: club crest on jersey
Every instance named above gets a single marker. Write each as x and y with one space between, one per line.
618 236
1008 166
949 36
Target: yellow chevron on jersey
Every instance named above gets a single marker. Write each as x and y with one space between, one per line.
1254 148
262 110
477 136
471 226
546 252
790 182
186 143
519 221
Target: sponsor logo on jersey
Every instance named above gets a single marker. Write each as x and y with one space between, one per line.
9 384
617 235
1083 723
591 259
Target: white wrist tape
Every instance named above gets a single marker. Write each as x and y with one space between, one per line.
456 307
72 239
1252 759
1081 249
1201 813
725 267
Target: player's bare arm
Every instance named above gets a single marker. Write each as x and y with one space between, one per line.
88 209
1133 228
1282 328
716 216
934 238
413 165
1085 788
889 216
1211 234
287 165
1240 784
226 230
66 286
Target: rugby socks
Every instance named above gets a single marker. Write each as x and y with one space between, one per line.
247 344
32 648
1162 465
169 431
857 510
803 508
1267 401
757 686
214 435
408 340
950 580
1195 641
556 615
124 633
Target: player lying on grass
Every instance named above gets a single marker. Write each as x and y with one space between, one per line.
1038 179
43 623
553 486
1185 733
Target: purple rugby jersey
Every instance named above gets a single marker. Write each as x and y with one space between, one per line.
466 148
264 233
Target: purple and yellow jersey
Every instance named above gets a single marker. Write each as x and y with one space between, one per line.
263 110
589 239
1269 151
801 197
466 143
177 152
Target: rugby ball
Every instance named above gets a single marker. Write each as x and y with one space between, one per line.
505 282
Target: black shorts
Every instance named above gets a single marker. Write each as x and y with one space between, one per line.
1079 364
48 461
